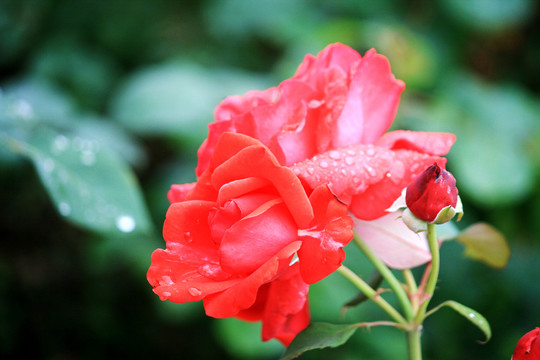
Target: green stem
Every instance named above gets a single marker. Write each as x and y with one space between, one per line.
414 344
388 276
433 274
371 294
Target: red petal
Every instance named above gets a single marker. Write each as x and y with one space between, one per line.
373 202
178 192
347 171
431 143
251 242
286 312
528 347
257 161
242 295
321 252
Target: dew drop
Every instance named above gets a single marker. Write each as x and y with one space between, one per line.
165 295
125 223
187 237
88 157
355 179
370 151
166 281
64 208
344 172
60 143
370 170
194 291
351 152
310 170
334 154
324 164
48 165
349 160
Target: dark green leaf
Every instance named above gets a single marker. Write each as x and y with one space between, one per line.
472 315
319 336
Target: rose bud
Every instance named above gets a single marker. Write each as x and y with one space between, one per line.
433 196
528 347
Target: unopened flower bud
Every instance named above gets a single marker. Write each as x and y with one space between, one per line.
528 347
433 196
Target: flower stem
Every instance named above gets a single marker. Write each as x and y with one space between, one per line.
388 276
414 344
371 294
433 274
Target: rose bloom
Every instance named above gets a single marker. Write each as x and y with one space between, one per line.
232 239
328 123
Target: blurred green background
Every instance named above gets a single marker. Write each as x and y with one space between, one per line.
103 105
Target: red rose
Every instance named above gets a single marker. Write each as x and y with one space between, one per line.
328 123
231 238
528 347
430 192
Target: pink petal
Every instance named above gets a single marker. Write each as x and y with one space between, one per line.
347 171
373 201
372 102
333 56
431 143
395 244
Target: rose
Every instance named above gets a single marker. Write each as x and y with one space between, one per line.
528 347
328 123
231 238
432 195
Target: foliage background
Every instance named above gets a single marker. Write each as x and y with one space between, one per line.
103 105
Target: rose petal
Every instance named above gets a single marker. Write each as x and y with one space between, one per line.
321 252
258 161
431 143
242 295
372 102
252 241
178 192
286 312
393 242
347 171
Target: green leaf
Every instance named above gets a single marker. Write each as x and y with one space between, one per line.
486 244
177 98
319 336
472 315
87 182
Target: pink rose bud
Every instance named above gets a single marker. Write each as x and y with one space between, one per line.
430 193
528 347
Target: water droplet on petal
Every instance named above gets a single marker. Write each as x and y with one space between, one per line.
187 237
370 170
349 160
165 295
64 208
370 151
324 164
310 170
194 291
166 281
334 154
125 223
